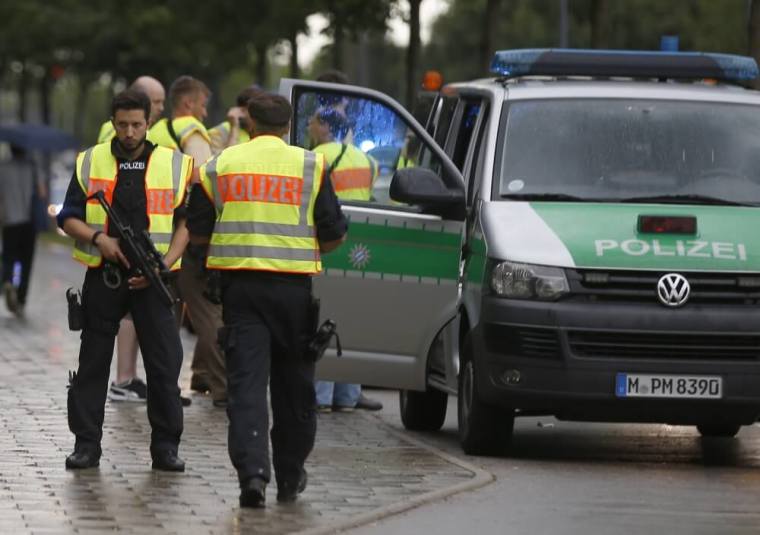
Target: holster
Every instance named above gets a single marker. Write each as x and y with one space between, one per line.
76 310
320 340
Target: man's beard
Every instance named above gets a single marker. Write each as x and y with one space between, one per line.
127 150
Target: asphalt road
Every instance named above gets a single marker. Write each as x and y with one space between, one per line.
581 478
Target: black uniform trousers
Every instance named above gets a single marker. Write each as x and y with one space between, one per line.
269 321
161 349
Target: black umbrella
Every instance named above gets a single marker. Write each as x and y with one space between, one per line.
37 137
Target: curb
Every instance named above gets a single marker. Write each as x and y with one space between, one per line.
480 479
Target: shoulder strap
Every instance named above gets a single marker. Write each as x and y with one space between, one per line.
172 133
336 161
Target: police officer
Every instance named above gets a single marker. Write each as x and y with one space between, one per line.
145 185
234 129
272 212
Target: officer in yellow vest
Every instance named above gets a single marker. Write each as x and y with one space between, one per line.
234 130
128 386
269 212
352 172
188 97
155 91
146 186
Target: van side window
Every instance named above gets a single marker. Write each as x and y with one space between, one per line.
463 131
478 157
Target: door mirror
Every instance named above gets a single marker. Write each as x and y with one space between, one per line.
423 187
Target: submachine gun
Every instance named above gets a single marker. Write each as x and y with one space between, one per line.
140 249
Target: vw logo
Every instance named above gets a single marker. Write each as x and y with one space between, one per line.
673 290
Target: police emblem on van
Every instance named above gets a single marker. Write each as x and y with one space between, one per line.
673 290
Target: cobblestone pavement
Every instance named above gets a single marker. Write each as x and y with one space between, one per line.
357 467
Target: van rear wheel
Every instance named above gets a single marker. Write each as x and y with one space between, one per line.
483 429
423 411
718 429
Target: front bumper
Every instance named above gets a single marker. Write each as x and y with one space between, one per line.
562 358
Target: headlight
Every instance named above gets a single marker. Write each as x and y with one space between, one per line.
526 281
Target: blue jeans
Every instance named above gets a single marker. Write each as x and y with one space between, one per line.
338 394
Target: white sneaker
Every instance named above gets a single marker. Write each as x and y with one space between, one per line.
133 390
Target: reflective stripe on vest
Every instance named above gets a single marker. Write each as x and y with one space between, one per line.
256 228
166 176
353 176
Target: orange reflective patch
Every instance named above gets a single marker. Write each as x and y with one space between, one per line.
260 188
160 201
98 184
358 178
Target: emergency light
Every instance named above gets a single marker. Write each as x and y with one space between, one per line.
623 63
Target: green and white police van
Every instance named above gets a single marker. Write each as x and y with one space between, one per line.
578 236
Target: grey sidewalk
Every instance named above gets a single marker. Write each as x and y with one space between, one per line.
358 466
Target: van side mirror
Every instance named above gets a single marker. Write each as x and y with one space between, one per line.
419 185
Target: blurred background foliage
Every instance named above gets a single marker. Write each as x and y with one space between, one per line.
61 61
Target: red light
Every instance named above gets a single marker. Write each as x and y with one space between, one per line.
656 224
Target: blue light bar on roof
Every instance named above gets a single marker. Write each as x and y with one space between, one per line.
624 63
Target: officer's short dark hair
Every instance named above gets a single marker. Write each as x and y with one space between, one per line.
131 99
270 111
335 120
247 94
186 85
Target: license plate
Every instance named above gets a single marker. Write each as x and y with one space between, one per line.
629 385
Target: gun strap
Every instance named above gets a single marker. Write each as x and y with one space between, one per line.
172 133
336 161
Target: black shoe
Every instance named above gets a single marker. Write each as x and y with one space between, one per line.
220 403
168 461
83 459
288 492
186 402
368 404
199 385
253 493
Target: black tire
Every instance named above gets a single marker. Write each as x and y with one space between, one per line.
718 429
423 411
483 429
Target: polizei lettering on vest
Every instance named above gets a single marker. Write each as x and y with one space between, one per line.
260 188
687 248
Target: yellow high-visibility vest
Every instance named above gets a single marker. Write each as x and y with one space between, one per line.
107 132
184 127
218 136
264 193
353 176
166 180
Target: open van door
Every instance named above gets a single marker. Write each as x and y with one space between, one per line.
394 284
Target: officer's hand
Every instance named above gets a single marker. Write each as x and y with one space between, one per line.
109 248
138 283
234 114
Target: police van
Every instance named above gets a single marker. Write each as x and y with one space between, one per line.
575 236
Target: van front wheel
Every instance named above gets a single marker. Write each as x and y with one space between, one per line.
423 411
483 429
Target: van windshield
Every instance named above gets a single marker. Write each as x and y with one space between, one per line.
620 150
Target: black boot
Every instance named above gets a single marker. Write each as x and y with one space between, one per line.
253 493
168 461
83 458
289 491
